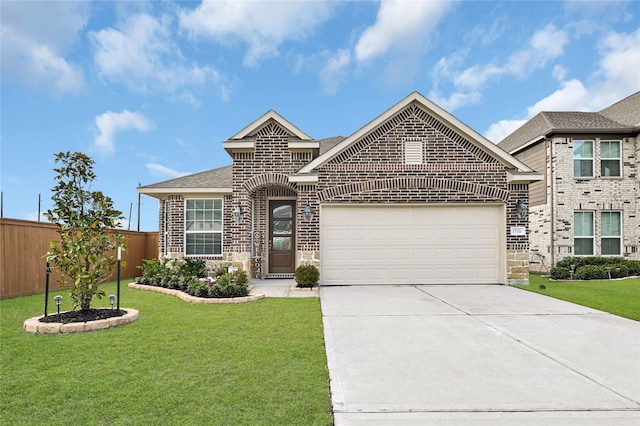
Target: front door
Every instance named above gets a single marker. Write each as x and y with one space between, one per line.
282 228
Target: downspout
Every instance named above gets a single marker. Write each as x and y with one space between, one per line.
552 191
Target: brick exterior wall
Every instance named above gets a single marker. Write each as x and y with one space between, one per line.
552 230
373 170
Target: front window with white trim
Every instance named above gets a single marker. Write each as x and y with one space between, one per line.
611 233
582 158
610 159
583 233
203 227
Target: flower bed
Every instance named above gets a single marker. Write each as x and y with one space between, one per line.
190 276
34 325
193 299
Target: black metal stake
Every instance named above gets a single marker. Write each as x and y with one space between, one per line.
46 289
118 284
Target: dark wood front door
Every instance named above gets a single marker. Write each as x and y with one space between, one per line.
282 236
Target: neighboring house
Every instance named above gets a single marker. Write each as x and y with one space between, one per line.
413 197
589 200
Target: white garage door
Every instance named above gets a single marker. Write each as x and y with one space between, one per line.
374 244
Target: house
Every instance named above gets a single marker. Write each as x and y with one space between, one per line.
413 197
588 202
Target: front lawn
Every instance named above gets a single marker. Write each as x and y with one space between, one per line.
179 363
619 297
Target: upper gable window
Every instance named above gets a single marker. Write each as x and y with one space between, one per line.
610 158
582 158
413 151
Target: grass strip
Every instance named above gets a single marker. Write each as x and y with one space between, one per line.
618 297
259 363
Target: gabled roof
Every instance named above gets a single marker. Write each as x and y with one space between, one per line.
626 111
218 180
439 113
621 117
261 121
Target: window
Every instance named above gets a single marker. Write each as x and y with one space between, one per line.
611 233
583 158
610 158
203 227
583 233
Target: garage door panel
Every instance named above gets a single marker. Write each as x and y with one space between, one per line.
412 245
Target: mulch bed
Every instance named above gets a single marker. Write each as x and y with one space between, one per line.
83 316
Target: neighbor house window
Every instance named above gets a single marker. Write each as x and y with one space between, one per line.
610 158
582 158
203 227
611 233
583 233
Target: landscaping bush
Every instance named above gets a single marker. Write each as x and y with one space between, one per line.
560 273
192 268
591 272
307 275
634 267
188 276
595 268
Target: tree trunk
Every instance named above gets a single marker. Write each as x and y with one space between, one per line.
85 302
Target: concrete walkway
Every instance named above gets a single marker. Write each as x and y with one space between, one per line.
280 288
477 355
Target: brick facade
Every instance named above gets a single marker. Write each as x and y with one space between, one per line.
373 169
552 230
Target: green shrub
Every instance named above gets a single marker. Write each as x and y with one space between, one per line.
230 285
560 273
634 267
197 288
220 270
307 275
619 270
591 272
192 267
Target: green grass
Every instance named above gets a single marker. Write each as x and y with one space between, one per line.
618 297
179 363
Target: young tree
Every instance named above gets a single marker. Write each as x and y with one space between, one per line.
87 224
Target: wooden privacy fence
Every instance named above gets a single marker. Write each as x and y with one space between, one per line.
24 243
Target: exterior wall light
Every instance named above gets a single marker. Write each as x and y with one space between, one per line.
58 300
308 213
238 213
522 210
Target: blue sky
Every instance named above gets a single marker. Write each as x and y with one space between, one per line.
150 89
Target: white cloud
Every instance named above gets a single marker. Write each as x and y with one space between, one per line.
399 23
456 99
262 26
545 45
34 36
142 55
110 123
502 129
160 170
615 78
334 70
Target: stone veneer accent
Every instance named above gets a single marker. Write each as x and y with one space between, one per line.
33 325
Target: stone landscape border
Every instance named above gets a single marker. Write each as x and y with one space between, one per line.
33 325
192 299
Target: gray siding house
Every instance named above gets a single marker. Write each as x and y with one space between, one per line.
413 197
588 202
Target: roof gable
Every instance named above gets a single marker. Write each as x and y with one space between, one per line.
448 121
266 119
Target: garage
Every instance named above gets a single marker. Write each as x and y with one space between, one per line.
412 244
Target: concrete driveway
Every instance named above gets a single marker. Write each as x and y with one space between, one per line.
477 355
